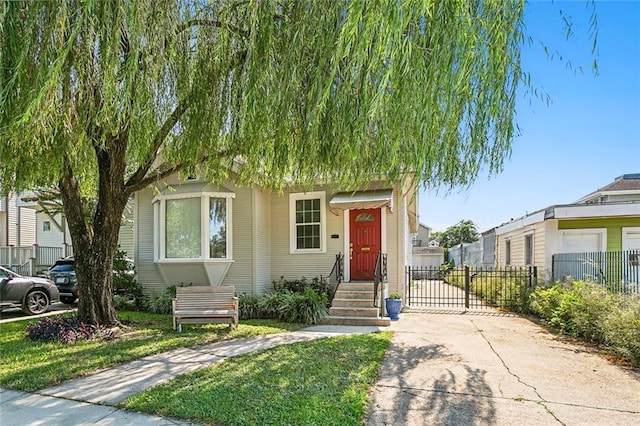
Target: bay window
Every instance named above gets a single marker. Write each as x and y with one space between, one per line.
193 226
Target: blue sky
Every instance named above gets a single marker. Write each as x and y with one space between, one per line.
589 133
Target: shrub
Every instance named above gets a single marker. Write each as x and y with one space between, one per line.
66 329
395 295
587 310
161 303
306 307
128 293
249 306
621 329
318 284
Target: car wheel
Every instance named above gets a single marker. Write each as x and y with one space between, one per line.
67 299
35 303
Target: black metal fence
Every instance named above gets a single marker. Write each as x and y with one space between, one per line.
619 271
470 288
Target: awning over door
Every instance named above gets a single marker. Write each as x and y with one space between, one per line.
361 200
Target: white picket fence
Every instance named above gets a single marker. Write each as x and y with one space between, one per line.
32 260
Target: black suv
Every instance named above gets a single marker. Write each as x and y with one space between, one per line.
63 274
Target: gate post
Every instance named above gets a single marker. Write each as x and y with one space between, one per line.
467 285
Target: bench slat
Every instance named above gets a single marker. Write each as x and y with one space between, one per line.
205 304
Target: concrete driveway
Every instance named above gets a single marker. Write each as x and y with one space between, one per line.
448 368
15 314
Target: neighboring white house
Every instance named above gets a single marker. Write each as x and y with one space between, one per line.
608 219
191 232
17 223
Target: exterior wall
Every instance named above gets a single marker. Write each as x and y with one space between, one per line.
126 235
612 225
423 235
241 271
517 238
54 237
148 274
21 224
262 237
260 226
298 265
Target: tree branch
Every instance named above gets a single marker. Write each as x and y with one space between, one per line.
158 140
158 174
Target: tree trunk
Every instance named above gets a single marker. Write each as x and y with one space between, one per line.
95 241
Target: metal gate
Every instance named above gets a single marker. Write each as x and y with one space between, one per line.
470 288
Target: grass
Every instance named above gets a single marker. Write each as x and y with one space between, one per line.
27 365
321 382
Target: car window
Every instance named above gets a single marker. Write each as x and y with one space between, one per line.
64 267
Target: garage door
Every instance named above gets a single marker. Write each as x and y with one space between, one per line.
582 241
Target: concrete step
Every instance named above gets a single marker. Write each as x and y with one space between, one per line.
353 303
340 320
354 312
361 286
354 294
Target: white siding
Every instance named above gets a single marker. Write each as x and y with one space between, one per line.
240 273
148 274
126 235
309 265
22 224
54 236
517 238
262 239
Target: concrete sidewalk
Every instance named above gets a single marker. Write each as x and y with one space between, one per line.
448 368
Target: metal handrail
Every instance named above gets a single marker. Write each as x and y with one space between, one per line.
337 268
379 277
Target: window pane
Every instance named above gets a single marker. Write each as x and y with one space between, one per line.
308 236
182 225
218 228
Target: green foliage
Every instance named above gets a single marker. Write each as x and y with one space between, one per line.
296 301
249 306
395 295
161 303
307 307
318 284
464 231
502 289
128 293
587 310
322 382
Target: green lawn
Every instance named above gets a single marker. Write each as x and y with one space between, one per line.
322 382
28 365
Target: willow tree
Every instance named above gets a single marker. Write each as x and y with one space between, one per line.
100 99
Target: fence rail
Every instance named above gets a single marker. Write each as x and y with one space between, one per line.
619 271
29 260
470 288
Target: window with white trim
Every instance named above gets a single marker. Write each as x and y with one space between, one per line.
193 226
307 220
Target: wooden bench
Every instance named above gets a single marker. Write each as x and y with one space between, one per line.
205 305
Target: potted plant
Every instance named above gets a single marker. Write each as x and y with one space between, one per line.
393 304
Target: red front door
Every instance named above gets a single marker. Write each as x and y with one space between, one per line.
364 242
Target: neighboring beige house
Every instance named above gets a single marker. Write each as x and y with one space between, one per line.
191 232
608 219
